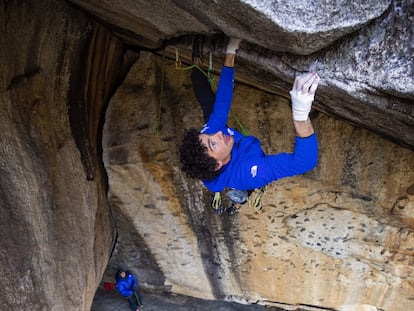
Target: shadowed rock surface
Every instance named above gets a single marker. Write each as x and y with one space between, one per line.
363 50
316 235
111 301
91 110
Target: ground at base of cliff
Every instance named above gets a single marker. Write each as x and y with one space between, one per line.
112 301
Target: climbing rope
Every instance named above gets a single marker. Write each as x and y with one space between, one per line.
242 128
207 74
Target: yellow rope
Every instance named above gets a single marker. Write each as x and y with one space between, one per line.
178 66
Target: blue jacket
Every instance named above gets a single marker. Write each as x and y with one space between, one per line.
249 167
127 285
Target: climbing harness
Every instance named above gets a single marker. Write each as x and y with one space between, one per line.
254 200
237 196
232 209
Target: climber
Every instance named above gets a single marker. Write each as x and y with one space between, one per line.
222 157
127 286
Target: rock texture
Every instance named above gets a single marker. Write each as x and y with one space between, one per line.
362 49
339 237
112 301
57 231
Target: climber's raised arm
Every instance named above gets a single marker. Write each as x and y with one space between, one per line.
224 96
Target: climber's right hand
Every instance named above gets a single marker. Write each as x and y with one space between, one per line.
303 94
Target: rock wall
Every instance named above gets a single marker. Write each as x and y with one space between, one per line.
56 226
339 237
363 49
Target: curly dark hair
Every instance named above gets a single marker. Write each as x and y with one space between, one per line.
196 162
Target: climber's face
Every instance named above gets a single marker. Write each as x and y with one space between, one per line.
219 147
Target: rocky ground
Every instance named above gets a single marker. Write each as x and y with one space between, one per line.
112 301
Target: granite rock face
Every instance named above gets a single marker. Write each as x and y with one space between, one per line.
363 50
339 237
89 173
304 27
56 227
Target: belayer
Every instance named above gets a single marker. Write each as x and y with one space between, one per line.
127 286
222 157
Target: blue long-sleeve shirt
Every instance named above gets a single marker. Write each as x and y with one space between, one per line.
127 285
249 167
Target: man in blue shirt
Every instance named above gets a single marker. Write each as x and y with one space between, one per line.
222 157
127 286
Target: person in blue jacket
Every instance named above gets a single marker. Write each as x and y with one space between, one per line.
127 286
222 157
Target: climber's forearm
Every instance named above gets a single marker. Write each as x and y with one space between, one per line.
303 129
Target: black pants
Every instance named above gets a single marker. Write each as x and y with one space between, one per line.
203 92
135 300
